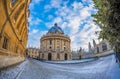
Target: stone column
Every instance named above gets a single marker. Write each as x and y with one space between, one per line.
54 43
61 44
45 44
69 45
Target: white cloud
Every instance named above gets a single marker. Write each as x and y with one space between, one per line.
37 1
33 3
84 13
75 20
34 39
33 31
87 34
64 24
47 8
56 3
74 24
77 5
50 17
34 21
57 20
53 4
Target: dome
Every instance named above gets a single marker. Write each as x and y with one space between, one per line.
55 29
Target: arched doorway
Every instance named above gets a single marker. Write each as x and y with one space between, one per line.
49 56
65 56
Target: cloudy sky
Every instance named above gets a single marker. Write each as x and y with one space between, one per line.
73 16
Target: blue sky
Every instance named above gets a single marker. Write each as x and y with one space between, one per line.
73 16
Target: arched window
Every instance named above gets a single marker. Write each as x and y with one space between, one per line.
104 47
50 41
13 1
5 43
50 47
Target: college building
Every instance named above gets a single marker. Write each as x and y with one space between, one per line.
54 45
33 52
13 31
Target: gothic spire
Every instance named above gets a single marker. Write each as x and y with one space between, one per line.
94 43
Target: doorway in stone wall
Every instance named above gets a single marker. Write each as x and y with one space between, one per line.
65 56
49 56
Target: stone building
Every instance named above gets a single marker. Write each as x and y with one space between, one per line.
78 54
13 31
103 46
100 49
55 45
33 53
90 48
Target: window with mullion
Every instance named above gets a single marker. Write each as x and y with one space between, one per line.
13 1
5 43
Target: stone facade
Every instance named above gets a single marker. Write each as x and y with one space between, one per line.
103 46
55 45
33 53
78 54
13 31
101 49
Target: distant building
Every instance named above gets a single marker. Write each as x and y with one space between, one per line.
90 48
94 43
55 45
103 46
75 55
78 54
33 52
13 31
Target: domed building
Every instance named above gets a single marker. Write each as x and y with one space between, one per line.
55 45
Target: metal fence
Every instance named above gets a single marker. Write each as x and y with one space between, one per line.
117 55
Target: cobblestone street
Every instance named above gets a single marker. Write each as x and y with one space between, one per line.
103 68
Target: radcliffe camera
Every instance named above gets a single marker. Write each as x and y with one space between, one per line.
59 39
